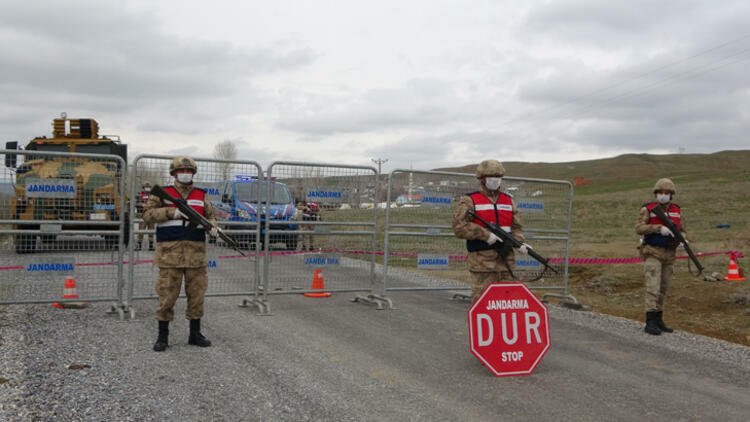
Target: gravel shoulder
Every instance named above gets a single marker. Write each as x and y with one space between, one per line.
330 359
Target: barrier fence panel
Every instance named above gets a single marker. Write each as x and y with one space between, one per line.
235 190
420 249
332 230
422 253
545 207
62 227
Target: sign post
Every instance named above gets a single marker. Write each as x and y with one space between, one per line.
508 329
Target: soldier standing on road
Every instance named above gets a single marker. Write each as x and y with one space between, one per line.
658 252
180 252
310 212
488 263
140 206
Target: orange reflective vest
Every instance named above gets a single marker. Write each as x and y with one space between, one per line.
656 239
500 212
178 229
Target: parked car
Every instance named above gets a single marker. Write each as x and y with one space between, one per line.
246 199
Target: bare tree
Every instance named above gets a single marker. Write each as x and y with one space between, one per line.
225 150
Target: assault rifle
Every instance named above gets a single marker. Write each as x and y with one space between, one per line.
659 212
194 218
509 239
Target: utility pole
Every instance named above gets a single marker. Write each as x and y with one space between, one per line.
379 162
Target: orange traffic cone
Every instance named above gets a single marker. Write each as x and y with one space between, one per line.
734 273
70 292
317 284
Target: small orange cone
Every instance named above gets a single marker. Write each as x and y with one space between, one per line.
734 273
70 292
317 284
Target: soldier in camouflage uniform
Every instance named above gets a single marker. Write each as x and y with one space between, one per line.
307 211
658 252
486 263
180 252
140 206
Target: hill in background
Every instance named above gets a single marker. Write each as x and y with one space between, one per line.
631 170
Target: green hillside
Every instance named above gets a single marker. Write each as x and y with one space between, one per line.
633 170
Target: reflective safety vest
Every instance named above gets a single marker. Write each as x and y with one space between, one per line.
656 239
500 213
178 229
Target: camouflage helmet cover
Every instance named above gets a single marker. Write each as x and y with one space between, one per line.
665 184
183 163
490 168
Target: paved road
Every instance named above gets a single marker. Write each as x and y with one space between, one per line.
330 359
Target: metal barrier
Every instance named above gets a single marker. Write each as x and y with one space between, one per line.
235 190
339 239
62 216
422 253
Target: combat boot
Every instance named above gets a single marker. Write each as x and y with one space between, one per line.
162 340
660 323
196 338
652 326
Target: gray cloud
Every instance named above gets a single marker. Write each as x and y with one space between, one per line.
608 24
418 103
112 59
437 86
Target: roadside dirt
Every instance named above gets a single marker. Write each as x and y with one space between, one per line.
717 309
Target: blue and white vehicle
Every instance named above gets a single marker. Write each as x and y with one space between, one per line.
246 199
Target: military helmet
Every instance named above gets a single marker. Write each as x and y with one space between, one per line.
183 163
490 168
665 184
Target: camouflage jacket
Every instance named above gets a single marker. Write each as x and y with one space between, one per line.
177 253
463 228
642 227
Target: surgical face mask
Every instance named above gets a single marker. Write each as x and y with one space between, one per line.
493 183
663 198
184 177
147 189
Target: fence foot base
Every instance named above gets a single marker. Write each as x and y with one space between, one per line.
567 301
380 301
264 309
461 296
122 310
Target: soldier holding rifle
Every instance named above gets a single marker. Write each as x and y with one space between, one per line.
181 251
488 263
657 249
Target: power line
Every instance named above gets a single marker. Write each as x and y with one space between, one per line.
682 76
637 77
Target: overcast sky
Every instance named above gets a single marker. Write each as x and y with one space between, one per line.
423 83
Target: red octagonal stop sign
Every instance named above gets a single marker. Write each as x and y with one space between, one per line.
508 329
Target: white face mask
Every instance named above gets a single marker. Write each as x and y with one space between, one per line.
493 183
663 198
184 177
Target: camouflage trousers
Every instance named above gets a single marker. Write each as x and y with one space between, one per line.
306 237
150 237
482 279
168 288
658 273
